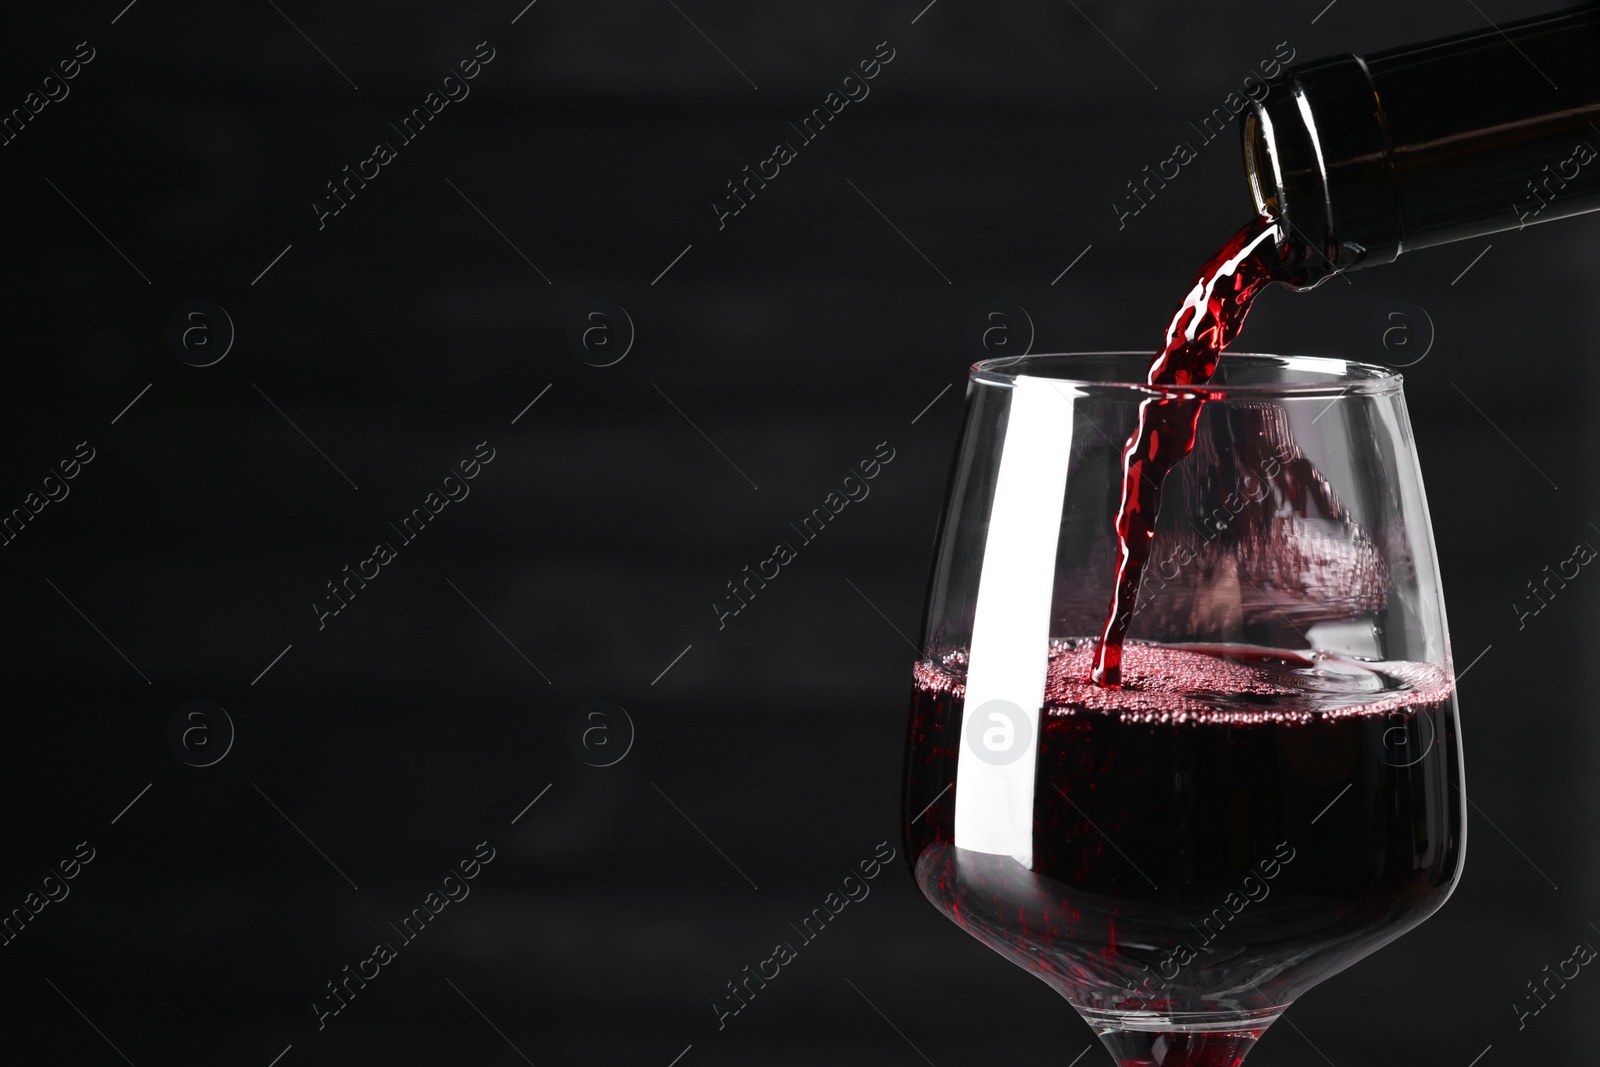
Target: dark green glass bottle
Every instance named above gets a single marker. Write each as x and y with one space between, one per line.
1368 157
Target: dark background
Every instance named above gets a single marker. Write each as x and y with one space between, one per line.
427 715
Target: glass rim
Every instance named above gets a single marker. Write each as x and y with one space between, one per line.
1343 377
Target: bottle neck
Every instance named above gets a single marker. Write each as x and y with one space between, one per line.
1363 158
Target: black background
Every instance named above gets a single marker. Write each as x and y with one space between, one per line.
797 338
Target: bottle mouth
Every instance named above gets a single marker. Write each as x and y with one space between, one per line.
1266 183
1239 375
1317 157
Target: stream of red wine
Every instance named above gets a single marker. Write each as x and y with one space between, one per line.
1207 320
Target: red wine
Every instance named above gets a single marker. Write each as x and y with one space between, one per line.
1208 319
1231 827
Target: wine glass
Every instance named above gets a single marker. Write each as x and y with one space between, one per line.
1275 790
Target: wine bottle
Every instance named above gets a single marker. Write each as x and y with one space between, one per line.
1367 157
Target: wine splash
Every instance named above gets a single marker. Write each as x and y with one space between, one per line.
1208 319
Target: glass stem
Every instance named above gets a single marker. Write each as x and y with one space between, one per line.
1154 1048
